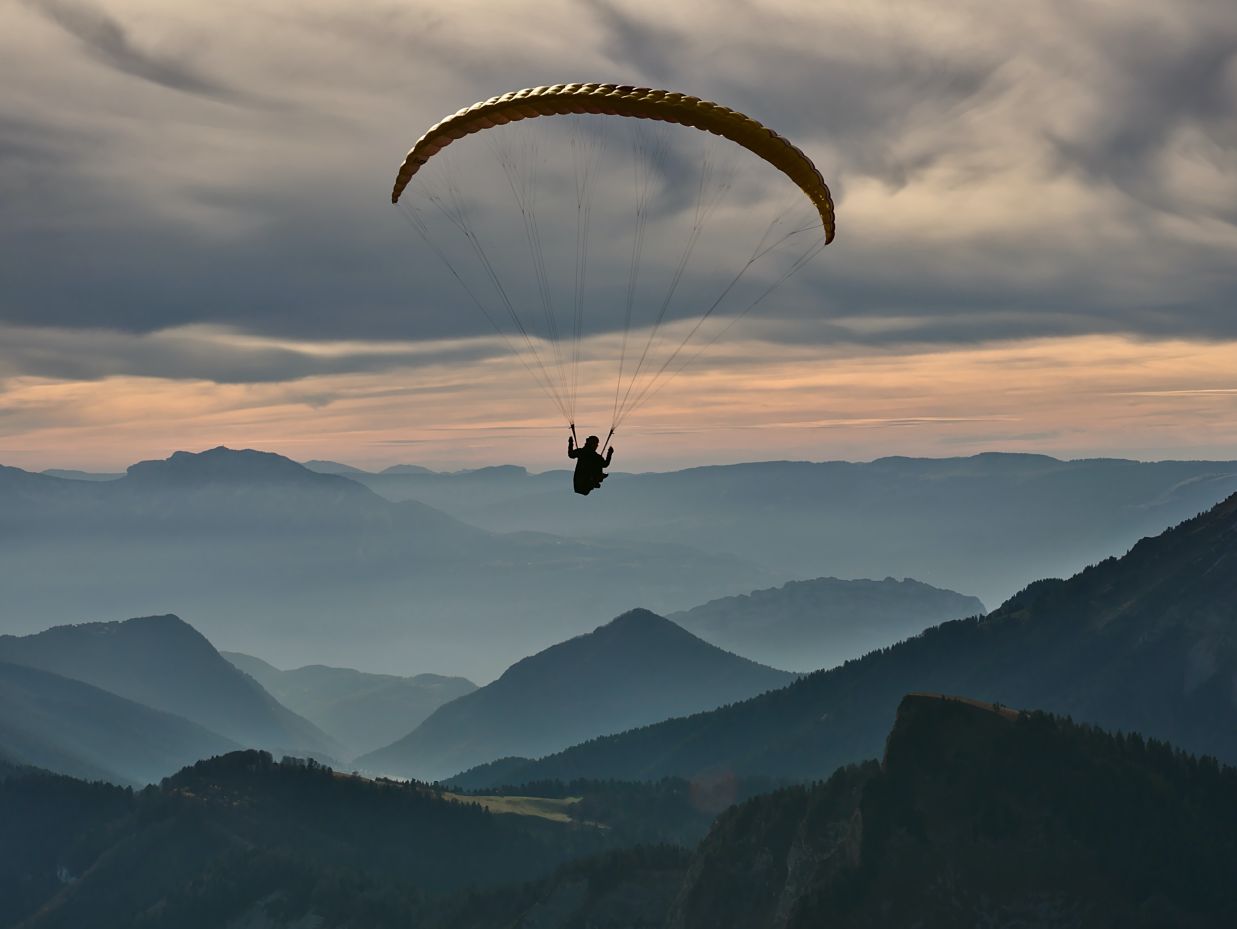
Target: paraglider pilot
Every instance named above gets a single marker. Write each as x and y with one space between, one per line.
590 465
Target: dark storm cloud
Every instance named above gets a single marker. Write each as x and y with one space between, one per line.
277 226
107 40
861 105
857 101
1157 84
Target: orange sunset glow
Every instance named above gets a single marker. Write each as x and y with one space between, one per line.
1080 397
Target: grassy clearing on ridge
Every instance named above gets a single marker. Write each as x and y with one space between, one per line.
551 808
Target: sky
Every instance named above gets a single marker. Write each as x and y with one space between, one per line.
1036 203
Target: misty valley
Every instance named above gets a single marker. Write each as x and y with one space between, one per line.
241 691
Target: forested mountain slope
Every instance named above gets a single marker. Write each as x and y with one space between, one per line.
979 817
244 840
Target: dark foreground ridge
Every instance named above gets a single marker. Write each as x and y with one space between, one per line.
978 815
243 834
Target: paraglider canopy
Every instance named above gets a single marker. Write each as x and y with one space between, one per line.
452 216
625 100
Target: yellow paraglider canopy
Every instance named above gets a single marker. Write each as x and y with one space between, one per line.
625 100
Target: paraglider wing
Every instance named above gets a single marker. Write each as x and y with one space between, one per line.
624 100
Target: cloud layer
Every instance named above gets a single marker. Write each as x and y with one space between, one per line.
197 193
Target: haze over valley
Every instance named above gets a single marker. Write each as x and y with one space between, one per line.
637 761
268 558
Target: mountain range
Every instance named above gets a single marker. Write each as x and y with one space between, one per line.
232 538
270 558
988 524
976 814
638 668
809 625
359 710
1141 643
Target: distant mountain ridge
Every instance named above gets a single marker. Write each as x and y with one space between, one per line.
988 524
809 625
225 465
1142 643
361 711
164 663
74 475
638 668
332 467
229 536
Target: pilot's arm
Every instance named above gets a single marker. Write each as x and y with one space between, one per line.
609 455
571 447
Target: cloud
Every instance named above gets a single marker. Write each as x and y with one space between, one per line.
1022 171
1158 74
107 40
643 48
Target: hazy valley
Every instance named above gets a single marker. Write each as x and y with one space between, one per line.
660 771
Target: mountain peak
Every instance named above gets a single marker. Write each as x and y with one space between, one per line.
406 469
222 464
639 618
638 638
637 669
